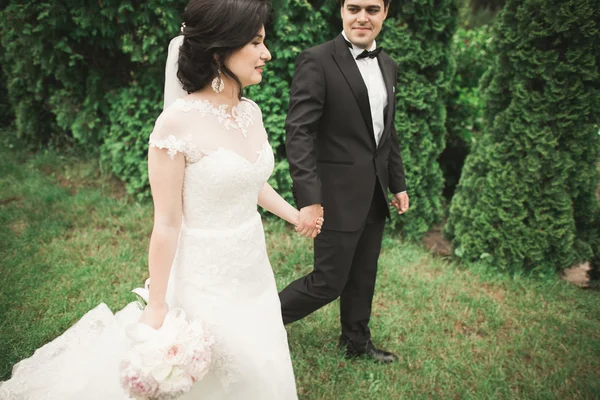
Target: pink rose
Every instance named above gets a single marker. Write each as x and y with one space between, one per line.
172 352
142 386
178 354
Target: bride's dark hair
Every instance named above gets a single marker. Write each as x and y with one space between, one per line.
214 29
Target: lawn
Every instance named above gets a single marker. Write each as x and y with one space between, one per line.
71 238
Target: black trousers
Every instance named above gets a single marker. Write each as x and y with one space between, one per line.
346 267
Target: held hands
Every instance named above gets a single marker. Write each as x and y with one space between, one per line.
154 315
401 202
310 221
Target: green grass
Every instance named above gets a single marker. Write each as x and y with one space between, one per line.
70 239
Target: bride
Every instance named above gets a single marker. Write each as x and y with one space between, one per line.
208 163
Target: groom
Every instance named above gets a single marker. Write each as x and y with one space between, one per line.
344 156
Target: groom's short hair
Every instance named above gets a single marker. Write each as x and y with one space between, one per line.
386 3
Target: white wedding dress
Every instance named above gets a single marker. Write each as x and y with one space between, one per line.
221 274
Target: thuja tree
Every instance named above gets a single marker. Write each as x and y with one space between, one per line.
526 196
62 58
463 104
6 113
419 38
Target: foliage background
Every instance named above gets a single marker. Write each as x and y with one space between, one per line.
91 74
419 38
88 75
527 198
471 50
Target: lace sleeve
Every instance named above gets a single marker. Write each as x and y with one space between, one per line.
172 144
253 106
168 135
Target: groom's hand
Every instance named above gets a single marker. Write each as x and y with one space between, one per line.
401 202
309 220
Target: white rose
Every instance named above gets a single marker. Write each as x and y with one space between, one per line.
179 382
161 372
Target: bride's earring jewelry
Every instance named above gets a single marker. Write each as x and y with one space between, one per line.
217 84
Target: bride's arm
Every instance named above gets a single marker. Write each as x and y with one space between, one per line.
166 181
271 201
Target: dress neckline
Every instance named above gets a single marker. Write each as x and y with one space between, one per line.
241 116
213 104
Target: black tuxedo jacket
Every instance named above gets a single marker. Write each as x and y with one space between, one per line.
330 143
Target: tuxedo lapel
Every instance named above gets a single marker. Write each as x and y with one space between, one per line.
347 65
387 70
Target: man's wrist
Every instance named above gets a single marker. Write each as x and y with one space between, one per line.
316 205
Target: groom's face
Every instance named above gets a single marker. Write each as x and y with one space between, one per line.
362 20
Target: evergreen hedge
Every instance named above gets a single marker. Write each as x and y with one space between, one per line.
64 58
92 73
6 113
419 38
526 198
471 50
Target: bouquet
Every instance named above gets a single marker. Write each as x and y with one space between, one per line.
165 363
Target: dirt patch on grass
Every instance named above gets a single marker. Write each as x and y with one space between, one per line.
47 169
117 188
435 242
578 275
5 202
71 186
494 292
110 185
381 306
19 227
82 175
423 269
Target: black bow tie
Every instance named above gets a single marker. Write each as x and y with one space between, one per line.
370 54
366 53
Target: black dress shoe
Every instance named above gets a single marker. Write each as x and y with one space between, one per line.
366 350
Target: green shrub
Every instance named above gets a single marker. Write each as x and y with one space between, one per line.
526 197
91 73
133 111
67 56
419 38
6 112
464 105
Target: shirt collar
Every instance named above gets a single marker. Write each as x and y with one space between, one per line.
357 50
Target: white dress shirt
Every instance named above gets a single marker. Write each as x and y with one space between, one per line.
373 78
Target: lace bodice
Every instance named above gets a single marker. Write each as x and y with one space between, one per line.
228 159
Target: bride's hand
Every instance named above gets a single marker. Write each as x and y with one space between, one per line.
154 315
